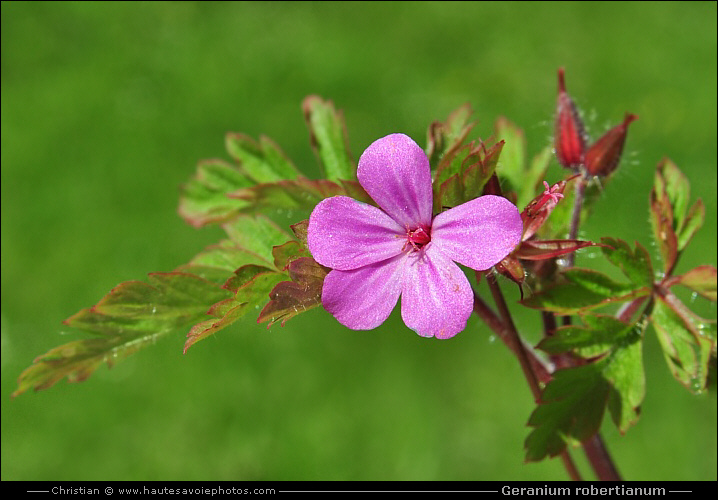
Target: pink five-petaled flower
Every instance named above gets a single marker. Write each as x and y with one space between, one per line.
378 255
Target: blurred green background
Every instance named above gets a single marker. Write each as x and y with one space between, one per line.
107 107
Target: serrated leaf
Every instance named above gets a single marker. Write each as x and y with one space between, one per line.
250 295
133 315
262 161
478 169
328 136
687 342
243 275
584 289
636 265
256 234
443 138
450 195
597 335
452 161
573 403
572 407
290 298
287 195
701 280
204 198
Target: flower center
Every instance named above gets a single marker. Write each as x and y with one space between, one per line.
417 238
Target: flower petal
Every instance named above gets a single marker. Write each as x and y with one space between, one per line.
347 234
395 172
478 233
436 297
363 298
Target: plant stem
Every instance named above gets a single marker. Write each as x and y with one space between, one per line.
514 335
539 368
506 329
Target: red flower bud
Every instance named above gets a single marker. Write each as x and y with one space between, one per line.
603 156
569 140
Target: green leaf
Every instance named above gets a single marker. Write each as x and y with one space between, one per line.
573 403
584 289
599 334
287 195
290 298
687 341
133 315
328 136
204 198
701 280
262 161
256 234
670 182
463 172
443 138
478 168
572 407
691 224
636 265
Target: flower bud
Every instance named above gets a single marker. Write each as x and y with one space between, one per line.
569 140
603 156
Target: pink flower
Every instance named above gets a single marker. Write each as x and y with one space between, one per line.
401 250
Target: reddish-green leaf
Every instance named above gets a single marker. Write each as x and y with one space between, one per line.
290 298
701 279
130 317
663 232
692 222
204 198
250 295
687 340
328 136
445 137
295 194
549 249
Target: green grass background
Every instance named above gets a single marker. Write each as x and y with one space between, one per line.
106 108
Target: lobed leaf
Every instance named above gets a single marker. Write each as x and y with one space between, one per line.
443 138
249 296
687 341
328 136
701 280
134 314
287 195
636 265
574 401
204 200
290 298
261 161
583 289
